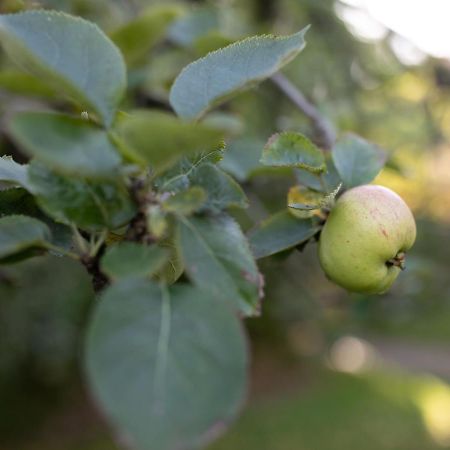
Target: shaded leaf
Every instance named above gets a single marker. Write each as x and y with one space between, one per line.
160 139
136 38
90 205
148 351
12 173
190 27
20 233
217 258
290 149
72 53
66 144
280 232
241 157
19 201
357 161
130 259
323 182
21 83
43 306
213 78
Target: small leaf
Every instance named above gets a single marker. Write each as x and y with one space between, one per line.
18 201
323 182
357 161
69 52
130 259
90 205
160 139
217 258
280 232
12 173
241 157
20 233
66 144
167 365
186 202
222 191
136 38
215 77
289 149
306 203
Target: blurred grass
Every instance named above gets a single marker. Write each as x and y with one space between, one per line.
378 411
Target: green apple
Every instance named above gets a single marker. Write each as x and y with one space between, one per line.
363 242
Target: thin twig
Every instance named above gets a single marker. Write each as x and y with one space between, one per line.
322 128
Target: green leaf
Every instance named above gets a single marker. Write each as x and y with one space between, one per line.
21 233
305 202
12 173
160 139
218 259
215 77
323 182
69 52
68 145
186 202
280 232
136 38
24 84
167 365
290 149
43 307
191 26
90 205
18 201
222 191
241 157
130 259
357 161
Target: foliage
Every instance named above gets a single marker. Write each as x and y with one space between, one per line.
146 201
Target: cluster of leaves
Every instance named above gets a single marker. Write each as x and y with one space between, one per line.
142 199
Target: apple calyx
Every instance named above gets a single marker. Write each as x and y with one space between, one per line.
398 260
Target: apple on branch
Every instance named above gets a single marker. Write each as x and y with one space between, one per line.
363 243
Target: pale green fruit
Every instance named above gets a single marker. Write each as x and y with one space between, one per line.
364 240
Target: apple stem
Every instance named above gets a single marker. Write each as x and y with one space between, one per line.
398 260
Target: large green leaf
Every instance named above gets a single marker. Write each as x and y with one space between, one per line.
21 233
70 52
25 84
222 191
160 139
137 37
130 259
167 365
357 161
280 232
90 205
43 306
66 144
12 173
213 78
290 149
217 258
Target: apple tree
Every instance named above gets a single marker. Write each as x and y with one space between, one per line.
139 204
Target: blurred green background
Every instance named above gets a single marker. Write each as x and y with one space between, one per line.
330 370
